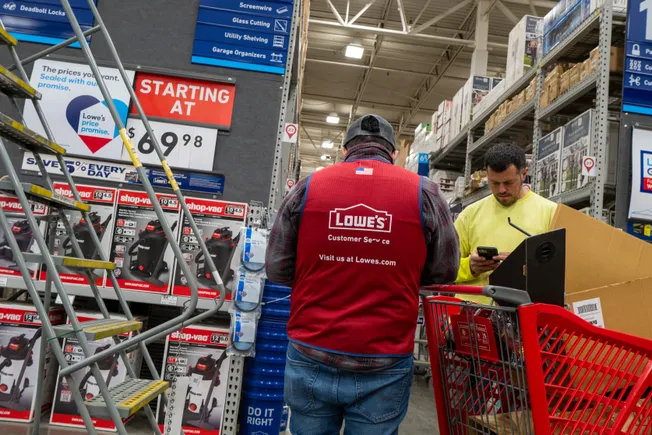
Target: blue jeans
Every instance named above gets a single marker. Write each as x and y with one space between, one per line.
321 397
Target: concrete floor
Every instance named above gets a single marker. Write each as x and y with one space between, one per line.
421 418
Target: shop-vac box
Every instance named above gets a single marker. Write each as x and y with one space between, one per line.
20 350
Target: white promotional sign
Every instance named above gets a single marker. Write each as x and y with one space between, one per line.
589 166
83 168
184 146
75 109
290 133
640 206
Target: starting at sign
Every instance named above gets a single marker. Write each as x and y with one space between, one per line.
189 100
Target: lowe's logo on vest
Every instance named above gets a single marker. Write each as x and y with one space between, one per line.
360 217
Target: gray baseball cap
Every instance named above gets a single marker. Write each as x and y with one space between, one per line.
371 125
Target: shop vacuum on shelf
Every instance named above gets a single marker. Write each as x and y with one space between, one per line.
147 255
221 246
82 229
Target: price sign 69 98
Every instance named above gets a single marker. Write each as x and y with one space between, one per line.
183 146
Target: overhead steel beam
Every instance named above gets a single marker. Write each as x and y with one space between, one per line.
370 104
399 33
364 79
337 14
505 10
441 16
362 11
379 68
423 9
428 85
538 3
309 138
348 7
401 12
533 9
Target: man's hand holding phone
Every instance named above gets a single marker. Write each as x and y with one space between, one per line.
488 261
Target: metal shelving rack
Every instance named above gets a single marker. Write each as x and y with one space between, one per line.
596 31
595 88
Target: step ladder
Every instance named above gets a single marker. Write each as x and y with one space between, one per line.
122 400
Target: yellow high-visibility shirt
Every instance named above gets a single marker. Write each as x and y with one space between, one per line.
484 223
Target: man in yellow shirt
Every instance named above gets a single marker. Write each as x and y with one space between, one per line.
484 223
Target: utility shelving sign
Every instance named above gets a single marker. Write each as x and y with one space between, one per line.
243 34
637 98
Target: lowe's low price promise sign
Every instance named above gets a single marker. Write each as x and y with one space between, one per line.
243 34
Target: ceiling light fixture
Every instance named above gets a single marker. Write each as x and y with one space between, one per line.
354 50
333 118
325 157
319 168
327 143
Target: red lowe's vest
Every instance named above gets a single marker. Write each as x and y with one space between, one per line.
360 255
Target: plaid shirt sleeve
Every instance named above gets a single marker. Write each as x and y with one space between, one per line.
280 261
443 255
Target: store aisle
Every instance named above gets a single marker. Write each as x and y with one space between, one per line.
421 417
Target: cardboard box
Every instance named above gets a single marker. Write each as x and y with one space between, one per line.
552 86
617 59
585 71
102 201
23 234
137 226
544 100
612 256
575 75
564 82
197 352
64 409
522 47
20 350
404 151
562 20
475 89
548 154
594 57
531 90
577 145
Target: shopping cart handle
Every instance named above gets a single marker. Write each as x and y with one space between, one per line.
502 295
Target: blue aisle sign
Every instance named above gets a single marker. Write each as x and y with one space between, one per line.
637 86
243 34
44 21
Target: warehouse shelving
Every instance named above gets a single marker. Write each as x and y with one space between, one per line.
591 92
452 155
109 294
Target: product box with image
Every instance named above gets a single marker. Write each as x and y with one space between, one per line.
522 47
102 201
64 409
140 249
456 113
548 154
197 352
20 350
577 145
219 223
475 89
23 235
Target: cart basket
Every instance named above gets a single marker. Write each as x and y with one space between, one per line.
526 369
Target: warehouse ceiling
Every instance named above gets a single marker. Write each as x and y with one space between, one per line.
417 53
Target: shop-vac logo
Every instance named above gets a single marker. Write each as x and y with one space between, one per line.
360 217
203 208
135 200
11 317
10 205
190 337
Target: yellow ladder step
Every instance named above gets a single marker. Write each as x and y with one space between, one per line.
43 195
101 328
71 262
129 397
6 38
26 138
13 86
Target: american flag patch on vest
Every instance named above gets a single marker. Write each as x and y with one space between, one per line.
364 171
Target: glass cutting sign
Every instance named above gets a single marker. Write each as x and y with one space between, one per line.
637 89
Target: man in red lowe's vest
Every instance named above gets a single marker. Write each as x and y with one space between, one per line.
355 242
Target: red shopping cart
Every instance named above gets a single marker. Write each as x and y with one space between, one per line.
533 369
